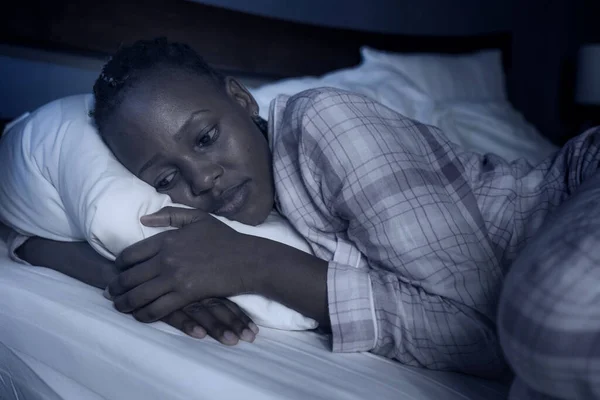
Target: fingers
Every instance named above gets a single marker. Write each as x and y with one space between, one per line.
238 325
219 321
241 315
180 320
142 296
175 217
212 317
160 308
213 327
140 251
129 279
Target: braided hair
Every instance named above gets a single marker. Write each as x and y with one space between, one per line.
130 63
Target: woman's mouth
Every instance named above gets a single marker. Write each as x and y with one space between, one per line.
233 200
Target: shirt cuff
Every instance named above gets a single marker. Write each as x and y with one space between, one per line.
351 309
13 242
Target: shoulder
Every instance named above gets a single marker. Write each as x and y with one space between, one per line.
325 96
325 102
336 120
317 117
307 121
334 130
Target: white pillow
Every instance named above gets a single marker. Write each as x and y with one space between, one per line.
397 79
492 127
464 95
380 82
61 182
448 77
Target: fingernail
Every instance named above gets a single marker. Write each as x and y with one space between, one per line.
199 332
253 327
229 336
247 336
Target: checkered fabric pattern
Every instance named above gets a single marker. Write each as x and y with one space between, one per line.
549 315
419 233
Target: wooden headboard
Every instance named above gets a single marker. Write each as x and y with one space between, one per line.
537 43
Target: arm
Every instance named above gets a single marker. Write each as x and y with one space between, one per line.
294 278
213 317
177 267
75 259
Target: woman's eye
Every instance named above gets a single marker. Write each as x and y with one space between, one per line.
207 138
165 182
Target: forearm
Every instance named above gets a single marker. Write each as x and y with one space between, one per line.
75 259
293 278
407 316
420 328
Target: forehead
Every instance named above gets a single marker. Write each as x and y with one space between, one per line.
164 98
155 108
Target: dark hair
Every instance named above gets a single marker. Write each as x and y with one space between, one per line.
130 63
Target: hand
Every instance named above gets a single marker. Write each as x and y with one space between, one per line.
165 272
221 319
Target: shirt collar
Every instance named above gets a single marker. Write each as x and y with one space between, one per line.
276 109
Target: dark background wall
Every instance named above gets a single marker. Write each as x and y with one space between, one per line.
32 78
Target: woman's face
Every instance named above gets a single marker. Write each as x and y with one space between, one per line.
195 141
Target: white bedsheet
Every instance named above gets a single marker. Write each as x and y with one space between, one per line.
60 339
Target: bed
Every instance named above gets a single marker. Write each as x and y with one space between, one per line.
60 339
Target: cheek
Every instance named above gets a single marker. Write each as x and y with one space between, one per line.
246 150
235 151
262 153
256 150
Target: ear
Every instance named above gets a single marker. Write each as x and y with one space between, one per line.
241 95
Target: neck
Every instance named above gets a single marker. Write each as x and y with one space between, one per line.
262 125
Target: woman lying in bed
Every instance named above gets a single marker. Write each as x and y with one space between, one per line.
412 235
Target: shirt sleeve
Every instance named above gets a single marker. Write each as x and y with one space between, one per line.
397 190
516 198
548 319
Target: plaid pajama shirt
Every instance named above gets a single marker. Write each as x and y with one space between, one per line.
419 233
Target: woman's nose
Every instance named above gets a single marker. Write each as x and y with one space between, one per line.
204 177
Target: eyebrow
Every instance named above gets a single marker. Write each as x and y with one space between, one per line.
148 164
177 138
